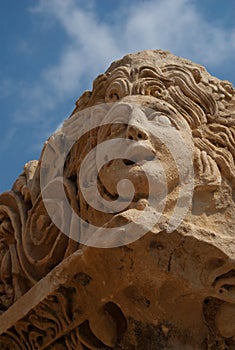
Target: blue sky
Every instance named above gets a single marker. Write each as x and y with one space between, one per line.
51 50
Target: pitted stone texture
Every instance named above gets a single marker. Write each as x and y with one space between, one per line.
164 291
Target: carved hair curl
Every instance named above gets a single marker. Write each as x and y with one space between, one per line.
205 102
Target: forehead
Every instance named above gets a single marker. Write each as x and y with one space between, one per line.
141 108
150 102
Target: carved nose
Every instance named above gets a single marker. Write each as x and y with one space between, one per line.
135 133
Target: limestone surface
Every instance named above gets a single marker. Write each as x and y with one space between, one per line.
121 236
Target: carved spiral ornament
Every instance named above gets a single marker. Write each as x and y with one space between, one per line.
12 222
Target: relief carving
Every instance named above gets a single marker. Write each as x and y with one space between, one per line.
140 286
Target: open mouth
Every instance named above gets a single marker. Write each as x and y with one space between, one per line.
129 162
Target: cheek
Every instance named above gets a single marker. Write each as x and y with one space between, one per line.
114 130
118 129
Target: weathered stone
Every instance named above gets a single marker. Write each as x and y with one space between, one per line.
157 284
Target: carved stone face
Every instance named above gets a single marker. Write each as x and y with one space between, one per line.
146 122
165 290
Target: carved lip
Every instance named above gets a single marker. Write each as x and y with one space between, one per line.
139 153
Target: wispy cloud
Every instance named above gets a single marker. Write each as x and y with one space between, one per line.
176 25
91 45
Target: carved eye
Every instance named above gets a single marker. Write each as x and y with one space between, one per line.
160 119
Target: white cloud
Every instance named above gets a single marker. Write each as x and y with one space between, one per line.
91 46
175 25
178 26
